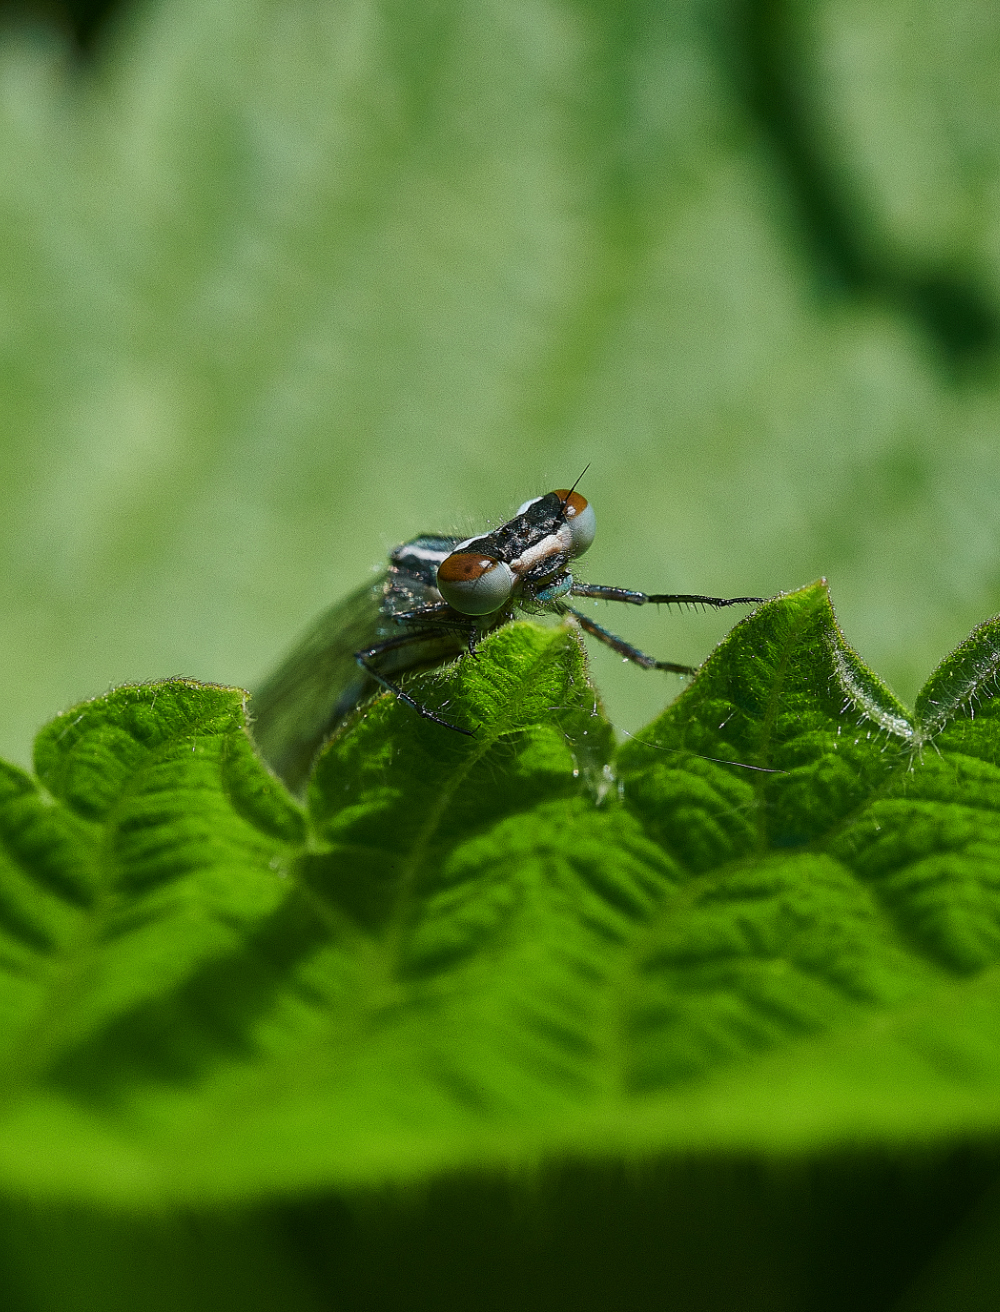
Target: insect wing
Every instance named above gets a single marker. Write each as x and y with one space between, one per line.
319 683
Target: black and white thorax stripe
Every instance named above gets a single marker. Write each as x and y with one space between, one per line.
411 581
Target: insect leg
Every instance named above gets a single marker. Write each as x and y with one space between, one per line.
601 593
365 659
626 649
428 616
437 612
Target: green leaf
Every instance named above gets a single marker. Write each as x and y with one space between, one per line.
772 922
143 855
281 285
284 286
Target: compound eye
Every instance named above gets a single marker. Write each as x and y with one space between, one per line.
473 583
579 516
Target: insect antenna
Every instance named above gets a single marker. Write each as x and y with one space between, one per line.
565 500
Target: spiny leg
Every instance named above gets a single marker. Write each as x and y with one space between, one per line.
364 659
626 649
428 616
437 612
601 593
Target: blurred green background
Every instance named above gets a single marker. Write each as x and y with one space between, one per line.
284 282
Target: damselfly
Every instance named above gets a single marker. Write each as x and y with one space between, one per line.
437 599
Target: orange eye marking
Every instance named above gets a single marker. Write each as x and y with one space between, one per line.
575 504
465 567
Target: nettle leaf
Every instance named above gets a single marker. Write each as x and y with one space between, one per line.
769 923
153 840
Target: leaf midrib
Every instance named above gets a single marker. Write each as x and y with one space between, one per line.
413 863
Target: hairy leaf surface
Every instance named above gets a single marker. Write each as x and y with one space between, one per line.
771 922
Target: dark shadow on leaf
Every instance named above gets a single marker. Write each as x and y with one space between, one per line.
83 21
711 1236
208 1019
956 317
